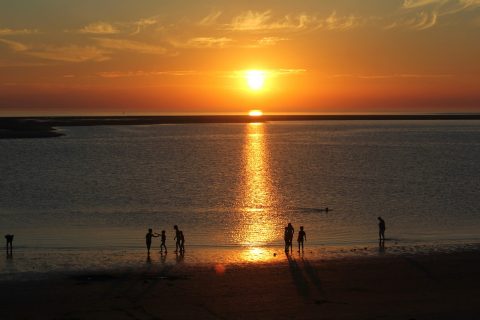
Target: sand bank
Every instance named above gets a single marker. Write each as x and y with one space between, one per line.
433 286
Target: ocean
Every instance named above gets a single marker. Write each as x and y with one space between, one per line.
234 187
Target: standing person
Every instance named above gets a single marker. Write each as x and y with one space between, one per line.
381 229
302 236
177 238
162 244
182 242
286 238
9 238
148 239
291 232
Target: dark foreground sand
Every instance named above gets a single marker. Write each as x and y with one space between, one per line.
435 286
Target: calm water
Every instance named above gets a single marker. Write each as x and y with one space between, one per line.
237 185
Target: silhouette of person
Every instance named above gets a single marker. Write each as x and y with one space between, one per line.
291 232
302 236
182 242
177 238
162 244
148 239
9 238
286 238
381 229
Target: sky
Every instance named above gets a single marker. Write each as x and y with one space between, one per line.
81 57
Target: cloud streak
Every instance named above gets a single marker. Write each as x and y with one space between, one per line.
8 31
130 45
14 45
392 76
99 28
141 73
72 53
206 42
427 13
266 22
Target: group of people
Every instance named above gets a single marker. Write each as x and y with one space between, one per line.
288 237
179 240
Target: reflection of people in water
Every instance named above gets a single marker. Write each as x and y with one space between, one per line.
381 247
148 239
302 236
381 229
162 244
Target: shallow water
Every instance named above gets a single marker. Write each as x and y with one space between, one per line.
235 186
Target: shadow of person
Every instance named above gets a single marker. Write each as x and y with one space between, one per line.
149 260
298 277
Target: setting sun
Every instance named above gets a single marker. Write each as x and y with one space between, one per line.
255 79
255 113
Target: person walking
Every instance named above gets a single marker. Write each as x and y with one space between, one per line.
163 239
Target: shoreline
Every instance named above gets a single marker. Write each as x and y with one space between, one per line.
44 127
434 286
39 263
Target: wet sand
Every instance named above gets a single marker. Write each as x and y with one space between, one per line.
432 286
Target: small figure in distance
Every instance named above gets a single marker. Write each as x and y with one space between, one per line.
9 238
177 238
162 244
326 209
286 237
381 229
302 236
148 239
182 242
291 232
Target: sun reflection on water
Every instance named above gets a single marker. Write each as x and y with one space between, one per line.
258 221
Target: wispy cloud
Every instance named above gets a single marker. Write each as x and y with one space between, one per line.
99 28
143 23
14 45
130 45
140 73
8 31
266 21
270 41
425 14
391 76
272 73
71 53
335 22
205 42
418 21
210 19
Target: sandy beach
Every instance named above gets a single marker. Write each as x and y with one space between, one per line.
431 286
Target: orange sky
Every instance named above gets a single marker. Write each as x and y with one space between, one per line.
137 57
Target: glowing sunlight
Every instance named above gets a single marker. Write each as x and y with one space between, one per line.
255 113
255 79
